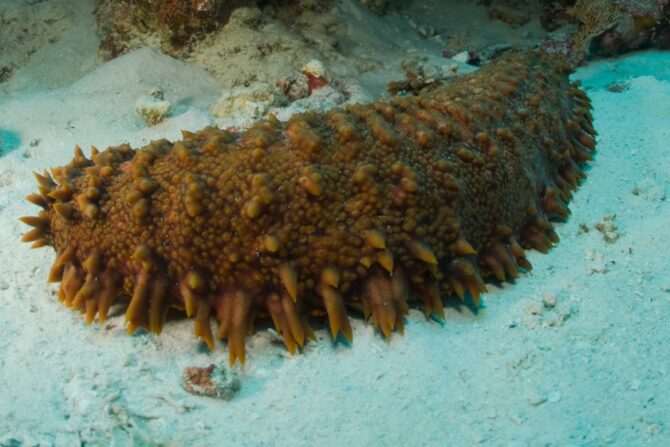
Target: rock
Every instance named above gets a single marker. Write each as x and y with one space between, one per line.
170 23
212 381
242 106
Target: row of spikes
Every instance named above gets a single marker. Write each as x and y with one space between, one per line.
92 290
504 257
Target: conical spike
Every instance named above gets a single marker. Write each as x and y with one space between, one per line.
192 285
239 318
72 282
537 239
331 277
203 329
56 272
33 235
337 315
309 333
274 306
87 291
289 277
39 243
516 249
506 259
158 305
503 230
79 157
35 221
144 255
111 287
137 309
294 321
379 291
385 259
462 247
494 265
457 286
375 238
224 306
400 292
93 262
468 274
45 182
433 301
91 308
65 210
422 252
525 264
367 307
274 309
190 300
63 193
38 199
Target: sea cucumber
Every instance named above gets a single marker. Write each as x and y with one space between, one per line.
368 209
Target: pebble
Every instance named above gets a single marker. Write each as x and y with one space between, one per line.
549 300
635 384
463 56
534 309
536 398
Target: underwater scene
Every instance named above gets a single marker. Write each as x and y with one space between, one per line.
334 223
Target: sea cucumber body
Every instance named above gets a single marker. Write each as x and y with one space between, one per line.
371 208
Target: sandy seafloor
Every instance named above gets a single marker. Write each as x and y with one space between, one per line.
576 352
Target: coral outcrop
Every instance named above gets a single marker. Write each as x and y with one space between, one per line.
369 209
169 23
608 28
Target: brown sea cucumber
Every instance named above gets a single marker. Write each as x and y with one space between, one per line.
365 208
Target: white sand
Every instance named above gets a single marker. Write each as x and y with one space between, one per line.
591 370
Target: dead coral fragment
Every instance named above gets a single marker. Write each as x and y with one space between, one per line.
213 381
153 108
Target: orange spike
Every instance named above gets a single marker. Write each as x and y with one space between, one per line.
289 278
158 305
33 235
203 329
337 315
274 306
137 308
111 287
239 317
294 321
38 199
422 252
91 308
72 282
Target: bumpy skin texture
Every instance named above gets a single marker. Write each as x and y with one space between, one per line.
367 208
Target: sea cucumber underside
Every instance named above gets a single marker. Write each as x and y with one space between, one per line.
368 208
